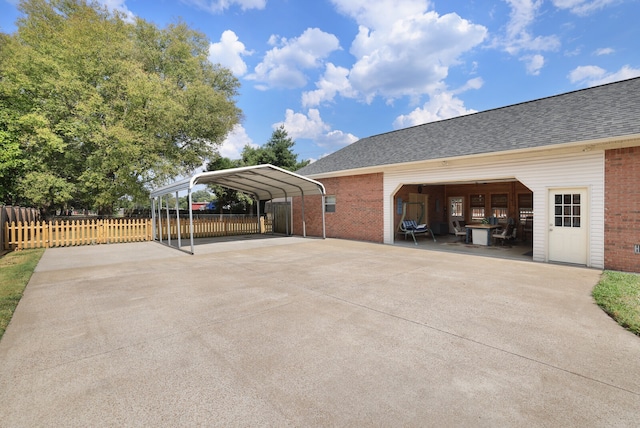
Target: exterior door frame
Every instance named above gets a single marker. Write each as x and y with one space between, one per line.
568 244
450 216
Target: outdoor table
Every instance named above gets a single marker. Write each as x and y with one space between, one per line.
481 233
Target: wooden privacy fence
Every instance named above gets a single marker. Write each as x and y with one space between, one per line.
21 235
10 213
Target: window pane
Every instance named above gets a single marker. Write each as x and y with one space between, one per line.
477 213
576 222
330 204
567 222
558 209
576 210
567 199
456 207
558 221
576 199
558 199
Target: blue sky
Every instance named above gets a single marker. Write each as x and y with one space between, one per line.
334 71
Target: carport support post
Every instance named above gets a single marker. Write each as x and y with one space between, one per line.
258 211
160 218
168 224
286 217
153 219
178 219
190 218
304 224
324 227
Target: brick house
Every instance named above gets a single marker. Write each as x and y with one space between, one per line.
566 168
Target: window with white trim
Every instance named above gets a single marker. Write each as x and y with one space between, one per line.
329 204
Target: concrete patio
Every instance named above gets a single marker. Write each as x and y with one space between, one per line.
309 332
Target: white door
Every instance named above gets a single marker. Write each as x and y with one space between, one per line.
456 210
568 221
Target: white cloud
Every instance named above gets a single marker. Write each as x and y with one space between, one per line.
534 63
583 7
586 72
334 81
228 52
380 14
402 49
299 125
218 6
234 143
592 75
518 35
604 51
283 65
310 126
442 105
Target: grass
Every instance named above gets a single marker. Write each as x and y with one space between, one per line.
618 294
16 269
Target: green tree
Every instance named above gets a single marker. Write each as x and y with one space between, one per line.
97 109
277 151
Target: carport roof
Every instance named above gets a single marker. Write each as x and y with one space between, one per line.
264 181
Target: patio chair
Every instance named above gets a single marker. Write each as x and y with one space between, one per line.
410 227
459 230
507 234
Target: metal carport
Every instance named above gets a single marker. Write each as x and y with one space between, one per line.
263 182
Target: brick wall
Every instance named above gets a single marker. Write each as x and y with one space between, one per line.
358 214
622 209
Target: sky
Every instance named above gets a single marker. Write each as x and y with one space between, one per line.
335 71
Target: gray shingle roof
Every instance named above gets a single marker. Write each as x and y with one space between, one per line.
610 110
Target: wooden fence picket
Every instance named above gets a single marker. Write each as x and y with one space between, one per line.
40 234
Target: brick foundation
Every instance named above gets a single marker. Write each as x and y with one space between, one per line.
622 209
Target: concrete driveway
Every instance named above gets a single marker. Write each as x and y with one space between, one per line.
305 332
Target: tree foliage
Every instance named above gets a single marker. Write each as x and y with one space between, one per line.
94 109
277 151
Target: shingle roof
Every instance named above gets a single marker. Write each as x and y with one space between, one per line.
611 110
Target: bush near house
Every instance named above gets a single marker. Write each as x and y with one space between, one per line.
618 294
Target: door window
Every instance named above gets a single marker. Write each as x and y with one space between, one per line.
567 210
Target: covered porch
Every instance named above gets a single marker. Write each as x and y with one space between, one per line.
447 208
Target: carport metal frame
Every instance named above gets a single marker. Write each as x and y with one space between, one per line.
262 182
